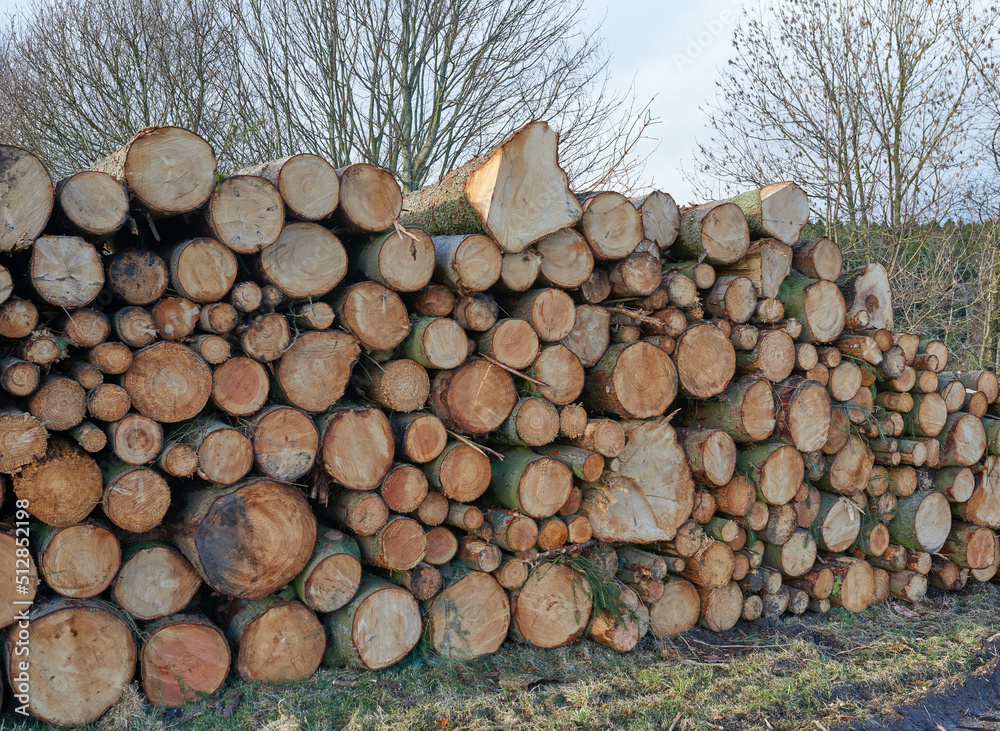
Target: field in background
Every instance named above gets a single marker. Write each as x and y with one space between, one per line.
808 672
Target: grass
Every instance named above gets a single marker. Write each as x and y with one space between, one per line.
787 675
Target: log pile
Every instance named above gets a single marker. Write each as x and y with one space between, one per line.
295 417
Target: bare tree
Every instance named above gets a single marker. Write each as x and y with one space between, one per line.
868 103
78 77
416 87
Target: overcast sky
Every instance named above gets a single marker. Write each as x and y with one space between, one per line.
671 50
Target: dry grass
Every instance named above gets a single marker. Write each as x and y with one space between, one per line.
832 669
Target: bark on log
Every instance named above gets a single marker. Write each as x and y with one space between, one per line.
818 258
301 383
868 289
78 561
276 639
376 629
403 262
716 230
552 608
778 210
817 304
28 196
332 576
474 398
307 183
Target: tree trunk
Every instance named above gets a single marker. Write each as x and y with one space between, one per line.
436 342
721 607
78 561
183 658
376 629
706 361
418 437
370 198
517 194
18 318
202 269
469 618
231 536
766 265
332 575
817 304
636 381
777 470
818 258
963 441
135 499
536 486
314 389
566 259
61 487
154 581
82 655
533 422
66 271
853 584
518 272
188 376
59 404
922 522
363 513
21 378
403 262
178 459
773 356
611 225
240 386
404 488
717 232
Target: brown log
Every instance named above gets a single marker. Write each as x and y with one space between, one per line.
572 421
375 315
777 469
773 356
247 297
218 317
432 510
404 488
19 377
633 381
27 195
82 657
59 403
469 618
108 402
135 439
189 377
240 386
89 436
305 261
304 385
461 472
818 258
202 269
77 561
868 289
183 657
534 485
308 184
552 608
518 272
175 317
225 454
154 581
178 459
135 499
62 487
66 271
511 341
276 639
532 422
706 361
255 555
401 260
635 276
804 413
963 440
566 259
717 230
475 398
419 437
313 315
356 446
18 318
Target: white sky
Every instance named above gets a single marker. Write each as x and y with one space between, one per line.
673 50
670 49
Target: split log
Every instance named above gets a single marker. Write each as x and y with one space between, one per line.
487 194
777 470
868 289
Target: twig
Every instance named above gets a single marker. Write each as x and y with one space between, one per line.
564 551
510 370
638 316
478 447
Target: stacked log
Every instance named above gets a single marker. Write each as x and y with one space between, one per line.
295 418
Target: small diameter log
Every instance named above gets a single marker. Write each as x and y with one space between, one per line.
955 483
135 499
332 576
302 384
183 658
586 465
363 513
928 416
202 269
404 488
135 326
963 440
461 472
733 298
566 259
745 411
86 328
710 453
61 487
561 373
552 608
838 523
240 386
476 312
82 656
313 316
474 398
400 260
868 289
853 584
850 468
552 534
773 357
254 556
611 225
908 586
19 377
467 263
635 381
603 436
711 566
109 402
817 582
399 545
66 271
512 342
356 446
721 607
619 627
818 258
154 581
660 218
419 437
225 454
59 403
178 459
777 470
436 342
512 531
266 338
27 194
512 574
716 230
817 304
138 276
218 317
922 522
168 382
89 436
77 561
530 483
573 421
110 358
213 348
376 629
469 618
706 361
532 423
518 272
803 413
676 611
18 318
424 581
550 312
478 555
970 546
276 639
